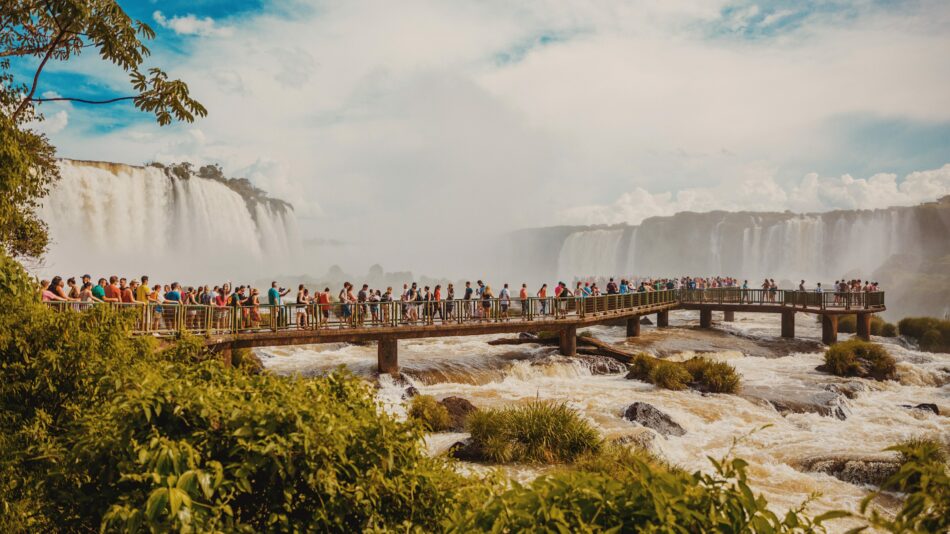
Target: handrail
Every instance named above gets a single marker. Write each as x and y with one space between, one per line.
172 318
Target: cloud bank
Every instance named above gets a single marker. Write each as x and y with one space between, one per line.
762 193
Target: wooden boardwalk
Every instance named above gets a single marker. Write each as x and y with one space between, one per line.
232 327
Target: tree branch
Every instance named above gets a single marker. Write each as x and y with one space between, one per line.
36 77
83 100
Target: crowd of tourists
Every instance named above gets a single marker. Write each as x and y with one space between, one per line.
416 303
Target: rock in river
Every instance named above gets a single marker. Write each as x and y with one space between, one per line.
650 417
789 398
871 469
459 409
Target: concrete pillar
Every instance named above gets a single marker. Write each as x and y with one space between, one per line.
569 341
225 355
829 329
388 357
663 319
633 326
788 324
864 326
728 316
705 318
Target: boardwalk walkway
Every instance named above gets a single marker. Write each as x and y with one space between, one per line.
227 328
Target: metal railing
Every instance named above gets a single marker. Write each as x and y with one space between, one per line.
171 318
855 300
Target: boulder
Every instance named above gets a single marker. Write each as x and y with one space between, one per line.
527 335
459 409
849 389
644 440
650 417
799 399
464 450
867 469
927 407
645 320
410 392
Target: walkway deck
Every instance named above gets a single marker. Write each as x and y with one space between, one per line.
229 328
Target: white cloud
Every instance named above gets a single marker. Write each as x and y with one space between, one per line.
191 25
776 16
397 120
761 193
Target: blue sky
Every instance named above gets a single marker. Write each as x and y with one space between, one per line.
424 105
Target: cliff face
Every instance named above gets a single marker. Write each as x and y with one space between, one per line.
902 247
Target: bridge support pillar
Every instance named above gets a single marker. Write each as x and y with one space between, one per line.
829 329
864 326
633 326
568 343
705 318
788 324
728 316
663 319
388 357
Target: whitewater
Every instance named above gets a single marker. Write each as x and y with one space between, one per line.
776 445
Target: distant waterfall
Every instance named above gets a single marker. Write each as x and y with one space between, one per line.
776 245
107 218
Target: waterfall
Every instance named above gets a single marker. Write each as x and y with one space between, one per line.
590 253
107 218
784 246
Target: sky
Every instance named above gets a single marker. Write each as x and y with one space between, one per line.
396 126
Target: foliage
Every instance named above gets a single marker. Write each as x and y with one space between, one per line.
433 416
879 327
537 432
99 430
712 376
860 358
698 373
932 334
31 35
923 477
647 498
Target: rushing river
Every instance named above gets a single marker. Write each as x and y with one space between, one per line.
771 368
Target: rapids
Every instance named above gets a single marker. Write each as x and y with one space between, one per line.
774 444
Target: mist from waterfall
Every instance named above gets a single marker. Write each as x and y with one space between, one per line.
108 218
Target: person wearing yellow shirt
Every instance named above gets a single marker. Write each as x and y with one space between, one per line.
142 292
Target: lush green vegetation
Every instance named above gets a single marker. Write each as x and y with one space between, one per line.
879 327
432 415
932 334
860 358
537 432
924 477
697 373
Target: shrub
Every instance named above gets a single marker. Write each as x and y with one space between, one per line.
648 499
931 341
670 375
923 477
712 376
433 416
698 373
916 326
537 432
641 366
889 330
932 334
860 358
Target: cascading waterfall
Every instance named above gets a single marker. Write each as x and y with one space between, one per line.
816 247
107 218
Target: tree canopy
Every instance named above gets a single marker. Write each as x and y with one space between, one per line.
35 33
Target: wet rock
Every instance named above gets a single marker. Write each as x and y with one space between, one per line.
527 335
650 417
849 389
927 407
645 320
644 440
870 469
799 399
464 450
410 392
459 409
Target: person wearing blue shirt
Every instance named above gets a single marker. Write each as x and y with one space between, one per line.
274 296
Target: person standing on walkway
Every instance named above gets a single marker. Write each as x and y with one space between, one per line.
505 300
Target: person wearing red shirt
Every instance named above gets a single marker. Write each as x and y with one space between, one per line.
113 294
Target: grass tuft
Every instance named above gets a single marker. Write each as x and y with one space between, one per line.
698 373
537 432
433 416
860 358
